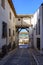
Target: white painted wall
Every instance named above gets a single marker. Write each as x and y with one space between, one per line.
4 16
37 15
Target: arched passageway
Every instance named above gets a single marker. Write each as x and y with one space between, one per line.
23 38
23 23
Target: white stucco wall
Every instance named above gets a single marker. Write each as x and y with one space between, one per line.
5 16
37 15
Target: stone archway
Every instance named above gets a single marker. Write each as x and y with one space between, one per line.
22 23
19 29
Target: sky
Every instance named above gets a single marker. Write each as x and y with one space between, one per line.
26 6
23 30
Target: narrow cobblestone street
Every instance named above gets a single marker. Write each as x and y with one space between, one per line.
21 57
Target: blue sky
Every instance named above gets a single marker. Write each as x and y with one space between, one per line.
26 6
23 30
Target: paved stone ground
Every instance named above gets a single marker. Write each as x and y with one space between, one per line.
21 57
38 56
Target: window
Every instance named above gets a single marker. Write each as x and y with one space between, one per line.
9 32
10 15
38 27
4 30
3 3
13 32
19 19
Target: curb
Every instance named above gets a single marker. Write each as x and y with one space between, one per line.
35 59
5 59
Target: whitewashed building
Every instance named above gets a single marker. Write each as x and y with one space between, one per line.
7 23
37 21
